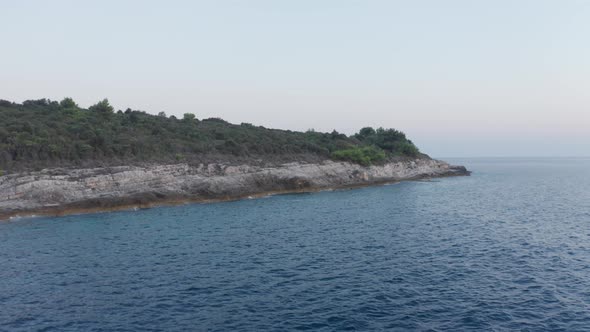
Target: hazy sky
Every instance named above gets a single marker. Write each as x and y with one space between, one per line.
461 78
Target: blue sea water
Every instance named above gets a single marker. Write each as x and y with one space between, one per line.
505 249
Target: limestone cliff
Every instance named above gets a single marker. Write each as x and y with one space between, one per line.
62 191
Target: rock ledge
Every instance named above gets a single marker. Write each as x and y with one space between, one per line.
65 191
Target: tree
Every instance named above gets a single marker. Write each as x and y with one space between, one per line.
38 102
162 114
68 102
336 135
188 116
102 106
365 133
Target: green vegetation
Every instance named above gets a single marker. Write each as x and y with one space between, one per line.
390 140
43 133
102 107
365 155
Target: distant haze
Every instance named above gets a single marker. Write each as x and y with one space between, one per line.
460 78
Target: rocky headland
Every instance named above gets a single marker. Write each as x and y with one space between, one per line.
58 158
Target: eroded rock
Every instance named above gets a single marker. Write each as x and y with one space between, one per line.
56 191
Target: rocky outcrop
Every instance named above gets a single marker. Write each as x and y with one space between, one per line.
62 191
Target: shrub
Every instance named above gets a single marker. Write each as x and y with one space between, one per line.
68 103
102 106
360 155
407 149
188 116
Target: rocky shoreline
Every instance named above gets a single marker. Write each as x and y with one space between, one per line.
62 191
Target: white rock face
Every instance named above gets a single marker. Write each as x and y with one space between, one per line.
55 189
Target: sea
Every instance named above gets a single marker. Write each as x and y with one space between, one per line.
506 249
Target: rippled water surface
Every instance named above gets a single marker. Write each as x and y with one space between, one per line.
505 249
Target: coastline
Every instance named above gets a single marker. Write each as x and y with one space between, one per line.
60 192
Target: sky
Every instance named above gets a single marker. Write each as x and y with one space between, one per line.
460 78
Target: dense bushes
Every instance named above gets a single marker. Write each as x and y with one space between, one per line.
43 133
390 140
365 156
